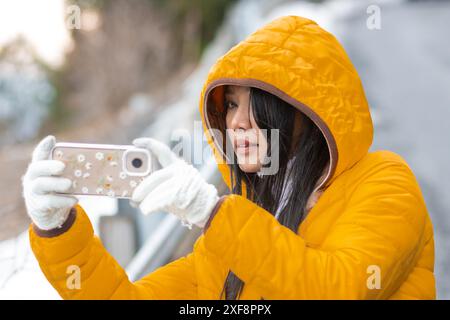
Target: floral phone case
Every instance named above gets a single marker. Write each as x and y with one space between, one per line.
103 170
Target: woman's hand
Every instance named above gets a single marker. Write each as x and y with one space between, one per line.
177 188
46 209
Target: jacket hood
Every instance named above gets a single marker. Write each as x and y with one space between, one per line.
304 65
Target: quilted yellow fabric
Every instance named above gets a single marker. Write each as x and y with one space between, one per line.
371 220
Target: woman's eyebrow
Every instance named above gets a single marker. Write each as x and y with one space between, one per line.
229 96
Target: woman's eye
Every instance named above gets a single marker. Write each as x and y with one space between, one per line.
230 104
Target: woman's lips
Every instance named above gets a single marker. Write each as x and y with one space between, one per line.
244 146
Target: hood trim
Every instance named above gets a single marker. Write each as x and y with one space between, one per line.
331 142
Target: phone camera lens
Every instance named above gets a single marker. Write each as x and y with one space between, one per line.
137 163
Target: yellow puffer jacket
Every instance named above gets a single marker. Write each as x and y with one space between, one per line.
371 220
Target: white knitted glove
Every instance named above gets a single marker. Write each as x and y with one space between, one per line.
177 188
46 209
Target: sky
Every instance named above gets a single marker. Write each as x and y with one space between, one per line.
42 23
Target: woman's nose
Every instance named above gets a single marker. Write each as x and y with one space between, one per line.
240 119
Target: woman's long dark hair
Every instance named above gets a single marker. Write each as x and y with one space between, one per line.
309 157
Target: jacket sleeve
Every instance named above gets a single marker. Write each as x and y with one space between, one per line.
381 229
78 252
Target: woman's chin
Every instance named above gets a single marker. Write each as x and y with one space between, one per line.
249 168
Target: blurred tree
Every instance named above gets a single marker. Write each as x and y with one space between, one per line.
133 46
206 15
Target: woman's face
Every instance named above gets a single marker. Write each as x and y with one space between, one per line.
248 141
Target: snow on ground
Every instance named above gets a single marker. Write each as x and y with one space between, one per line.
20 276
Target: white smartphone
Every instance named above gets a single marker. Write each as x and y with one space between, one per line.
103 169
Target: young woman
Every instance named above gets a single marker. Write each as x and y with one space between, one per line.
330 220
